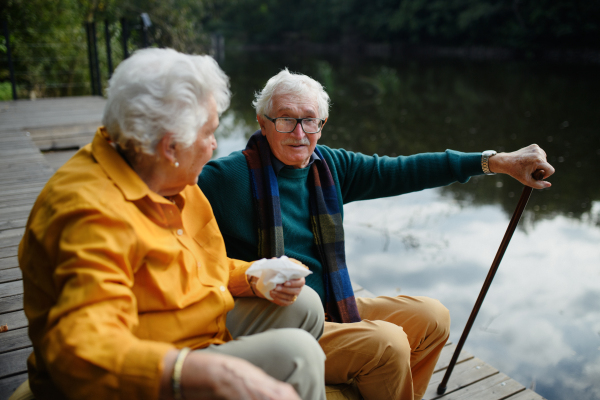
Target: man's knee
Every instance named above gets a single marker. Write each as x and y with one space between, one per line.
391 343
436 316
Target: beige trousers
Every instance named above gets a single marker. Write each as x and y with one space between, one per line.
282 341
392 352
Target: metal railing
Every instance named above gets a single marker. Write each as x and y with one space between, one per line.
80 65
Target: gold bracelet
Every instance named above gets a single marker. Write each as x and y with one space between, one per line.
176 378
252 288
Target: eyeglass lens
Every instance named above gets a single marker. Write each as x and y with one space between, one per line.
286 125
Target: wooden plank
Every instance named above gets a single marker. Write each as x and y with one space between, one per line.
9 251
496 387
14 339
9 384
25 200
38 179
463 375
11 288
11 237
21 189
14 320
16 210
9 262
11 303
13 223
25 168
14 362
446 356
526 395
10 274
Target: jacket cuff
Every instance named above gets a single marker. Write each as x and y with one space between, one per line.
142 369
238 280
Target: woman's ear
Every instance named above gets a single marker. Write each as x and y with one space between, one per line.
166 148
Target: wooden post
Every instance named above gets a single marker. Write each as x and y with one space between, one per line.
88 31
124 37
96 63
108 50
10 62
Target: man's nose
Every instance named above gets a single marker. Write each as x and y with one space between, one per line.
298 132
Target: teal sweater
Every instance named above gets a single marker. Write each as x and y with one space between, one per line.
226 184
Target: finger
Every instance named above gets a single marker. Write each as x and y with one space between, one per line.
286 297
294 291
298 283
536 181
287 293
548 169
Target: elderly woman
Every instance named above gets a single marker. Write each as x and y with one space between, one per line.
125 269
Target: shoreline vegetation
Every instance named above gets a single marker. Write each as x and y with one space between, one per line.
401 50
53 43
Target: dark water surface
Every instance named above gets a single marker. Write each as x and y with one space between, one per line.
540 322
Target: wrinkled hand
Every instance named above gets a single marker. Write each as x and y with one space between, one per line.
521 164
284 294
221 377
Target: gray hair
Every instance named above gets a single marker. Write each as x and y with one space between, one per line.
288 83
156 91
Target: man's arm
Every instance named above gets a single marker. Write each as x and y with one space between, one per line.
521 165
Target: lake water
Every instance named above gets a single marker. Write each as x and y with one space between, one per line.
540 322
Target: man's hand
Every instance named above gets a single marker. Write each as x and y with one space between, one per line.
221 377
284 294
521 164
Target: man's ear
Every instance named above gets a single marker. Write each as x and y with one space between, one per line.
261 123
166 148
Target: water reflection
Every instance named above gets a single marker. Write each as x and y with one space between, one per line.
540 322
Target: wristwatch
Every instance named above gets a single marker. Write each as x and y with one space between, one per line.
485 158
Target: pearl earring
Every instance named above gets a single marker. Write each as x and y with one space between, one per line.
176 164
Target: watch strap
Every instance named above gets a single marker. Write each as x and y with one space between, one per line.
485 161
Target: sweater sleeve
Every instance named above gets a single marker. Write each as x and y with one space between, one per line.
363 177
225 183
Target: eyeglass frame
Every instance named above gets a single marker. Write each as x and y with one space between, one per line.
298 121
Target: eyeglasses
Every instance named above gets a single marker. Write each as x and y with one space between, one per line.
287 124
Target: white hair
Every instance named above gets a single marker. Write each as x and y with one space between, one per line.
289 83
156 91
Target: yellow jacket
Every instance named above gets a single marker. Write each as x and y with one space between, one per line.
115 276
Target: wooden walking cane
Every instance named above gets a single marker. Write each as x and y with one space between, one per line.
538 175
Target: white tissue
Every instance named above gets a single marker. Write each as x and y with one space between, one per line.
271 272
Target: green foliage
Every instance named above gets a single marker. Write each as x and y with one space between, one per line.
5 91
513 23
49 39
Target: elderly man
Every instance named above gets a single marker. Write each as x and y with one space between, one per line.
288 195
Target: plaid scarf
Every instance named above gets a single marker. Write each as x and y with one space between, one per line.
326 223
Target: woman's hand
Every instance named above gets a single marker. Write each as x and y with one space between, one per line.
217 376
284 294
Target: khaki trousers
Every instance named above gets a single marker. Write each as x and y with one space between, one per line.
282 341
392 352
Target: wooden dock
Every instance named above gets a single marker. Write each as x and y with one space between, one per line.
26 128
